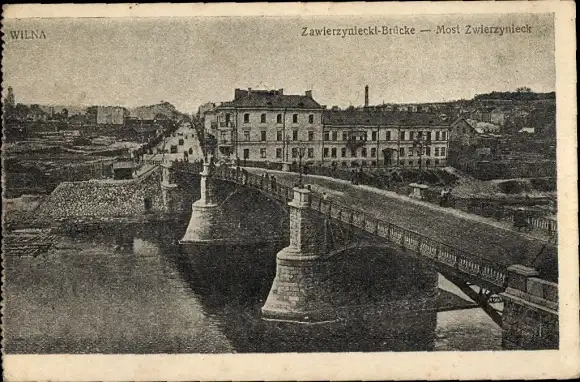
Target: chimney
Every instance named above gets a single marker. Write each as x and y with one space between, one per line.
366 95
309 93
249 92
239 93
281 91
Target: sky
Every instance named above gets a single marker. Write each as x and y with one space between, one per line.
190 61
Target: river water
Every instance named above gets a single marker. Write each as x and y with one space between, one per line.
132 289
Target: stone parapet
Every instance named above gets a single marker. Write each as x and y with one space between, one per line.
530 316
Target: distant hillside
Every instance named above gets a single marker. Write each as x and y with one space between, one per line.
525 95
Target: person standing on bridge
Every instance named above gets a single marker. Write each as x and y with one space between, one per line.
244 176
273 183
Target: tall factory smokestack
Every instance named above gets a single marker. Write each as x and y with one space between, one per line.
366 95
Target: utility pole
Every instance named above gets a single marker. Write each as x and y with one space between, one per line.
420 143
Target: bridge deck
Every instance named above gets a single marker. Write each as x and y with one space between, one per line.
471 233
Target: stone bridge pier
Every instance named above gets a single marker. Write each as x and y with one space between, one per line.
204 224
229 214
316 283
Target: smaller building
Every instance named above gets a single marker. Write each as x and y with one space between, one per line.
466 132
123 170
205 108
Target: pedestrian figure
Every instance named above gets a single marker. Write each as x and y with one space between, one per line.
443 197
244 176
520 219
273 183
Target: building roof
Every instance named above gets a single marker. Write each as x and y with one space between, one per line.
482 127
385 118
123 165
270 99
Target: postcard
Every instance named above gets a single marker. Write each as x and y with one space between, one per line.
323 191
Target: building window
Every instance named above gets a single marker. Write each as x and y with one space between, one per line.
436 151
278 153
311 118
246 153
246 135
326 136
464 130
437 135
364 152
263 118
353 153
343 152
373 152
428 162
374 135
279 135
325 152
443 135
228 118
223 136
334 135
310 152
294 135
262 153
442 151
263 135
410 152
411 135
374 163
436 161
294 118
333 152
344 136
364 136
402 152
428 136
428 151
247 118
402 136
294 152
279 118
410 163
344 164
311 135
388 137
364 163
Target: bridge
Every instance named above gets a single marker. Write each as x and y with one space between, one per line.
488 263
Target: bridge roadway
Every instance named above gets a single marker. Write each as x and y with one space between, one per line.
470 233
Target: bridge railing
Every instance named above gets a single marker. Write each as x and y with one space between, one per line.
441 253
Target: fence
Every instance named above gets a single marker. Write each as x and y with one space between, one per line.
443 254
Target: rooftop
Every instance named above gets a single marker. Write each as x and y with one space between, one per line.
119 165
376 117
271 99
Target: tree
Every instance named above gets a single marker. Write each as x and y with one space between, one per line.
64 114
524 89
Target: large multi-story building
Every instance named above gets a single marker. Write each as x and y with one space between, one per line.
370 137
267 125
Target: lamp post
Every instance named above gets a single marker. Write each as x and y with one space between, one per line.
301 151
420 143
